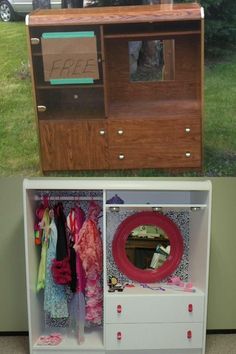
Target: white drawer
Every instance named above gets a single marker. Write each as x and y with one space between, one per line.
153 336
154 309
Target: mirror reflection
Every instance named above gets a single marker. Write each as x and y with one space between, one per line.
152 60
147 247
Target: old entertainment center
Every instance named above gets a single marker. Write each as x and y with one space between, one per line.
99 106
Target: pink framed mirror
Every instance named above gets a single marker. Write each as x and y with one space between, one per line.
147 247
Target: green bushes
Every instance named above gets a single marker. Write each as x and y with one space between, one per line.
220 26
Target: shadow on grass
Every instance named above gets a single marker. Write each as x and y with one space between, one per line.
219 163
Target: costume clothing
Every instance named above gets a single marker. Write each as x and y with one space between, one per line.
44 225
89 247
55 300
60 220
75 221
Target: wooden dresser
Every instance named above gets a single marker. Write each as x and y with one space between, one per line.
118 87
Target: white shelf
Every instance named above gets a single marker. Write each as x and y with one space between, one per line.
150 206
93 341
140 290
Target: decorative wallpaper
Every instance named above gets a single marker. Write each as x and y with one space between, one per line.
180 218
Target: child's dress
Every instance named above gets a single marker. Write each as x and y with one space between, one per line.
55 299
89 247
44 225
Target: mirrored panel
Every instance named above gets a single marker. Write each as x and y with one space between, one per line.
152 60
147 247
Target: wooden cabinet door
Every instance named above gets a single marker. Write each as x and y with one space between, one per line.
73 145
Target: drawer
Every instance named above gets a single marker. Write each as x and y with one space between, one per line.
162 308
158 155
154 131
153 336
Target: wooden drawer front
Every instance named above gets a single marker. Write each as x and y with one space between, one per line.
69 145
154 309
155 132
153 336
165 155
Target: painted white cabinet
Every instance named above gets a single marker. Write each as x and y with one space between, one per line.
154 336
154 308
145 317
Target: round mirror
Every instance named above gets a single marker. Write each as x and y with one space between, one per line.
147 247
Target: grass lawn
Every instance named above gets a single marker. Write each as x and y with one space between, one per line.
18 137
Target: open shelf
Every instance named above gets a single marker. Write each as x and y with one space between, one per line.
161 29
151 206
58 87
150 35
138 289
93 340
153 109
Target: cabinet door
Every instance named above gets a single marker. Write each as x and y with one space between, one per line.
153 336
164 143
73 145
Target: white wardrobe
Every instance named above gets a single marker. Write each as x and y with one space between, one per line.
146 317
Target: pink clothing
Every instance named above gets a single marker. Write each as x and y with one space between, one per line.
89 247
75 220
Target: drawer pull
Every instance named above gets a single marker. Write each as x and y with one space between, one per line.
76 96
188 130
189 334
190 308
119 308
120 132
188 154
121 157
102 132
34 41
42 108
119 335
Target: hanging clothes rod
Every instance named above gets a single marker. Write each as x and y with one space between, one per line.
67 198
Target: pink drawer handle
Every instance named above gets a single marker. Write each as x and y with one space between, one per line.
190 308
119 335
189 334
119 308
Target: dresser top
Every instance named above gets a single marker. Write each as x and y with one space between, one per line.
115 15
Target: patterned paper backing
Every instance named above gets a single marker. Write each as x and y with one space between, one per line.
180 218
